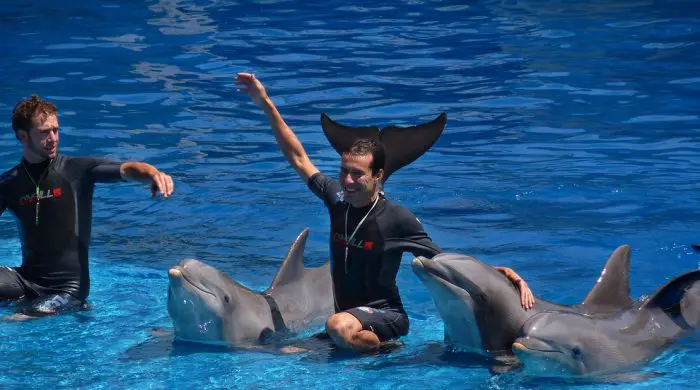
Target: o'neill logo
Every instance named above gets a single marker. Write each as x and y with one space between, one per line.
43 194
340 238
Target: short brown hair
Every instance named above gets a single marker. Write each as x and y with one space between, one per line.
27 110
369 146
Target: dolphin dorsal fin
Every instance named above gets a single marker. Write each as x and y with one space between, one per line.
613 286
293 265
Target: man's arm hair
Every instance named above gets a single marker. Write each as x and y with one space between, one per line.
288 142
137 171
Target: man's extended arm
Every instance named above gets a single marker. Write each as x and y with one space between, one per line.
289 143
147 173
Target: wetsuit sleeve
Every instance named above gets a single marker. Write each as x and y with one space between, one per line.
407 235
327 189
102 170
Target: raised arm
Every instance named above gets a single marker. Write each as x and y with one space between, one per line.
289 143
147 173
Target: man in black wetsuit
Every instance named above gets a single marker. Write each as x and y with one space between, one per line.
51 197
368 235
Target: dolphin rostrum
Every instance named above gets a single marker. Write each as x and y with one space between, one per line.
206 306
481 312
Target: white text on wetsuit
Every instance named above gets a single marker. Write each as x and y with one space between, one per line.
43 194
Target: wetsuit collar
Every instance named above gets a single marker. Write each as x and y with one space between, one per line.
36 169
366 207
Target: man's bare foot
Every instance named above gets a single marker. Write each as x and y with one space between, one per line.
19 317
388 346
292 349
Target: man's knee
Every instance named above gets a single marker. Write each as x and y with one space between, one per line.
343 325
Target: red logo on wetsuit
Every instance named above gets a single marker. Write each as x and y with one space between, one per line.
30 199
340 239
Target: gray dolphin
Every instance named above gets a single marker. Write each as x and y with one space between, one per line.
574 343
482 313
206 306
481 307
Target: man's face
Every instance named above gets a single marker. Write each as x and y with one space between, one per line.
359 186
41 142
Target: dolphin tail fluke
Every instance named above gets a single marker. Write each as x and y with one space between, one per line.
402 145
341 137
679 298
613 287
293 266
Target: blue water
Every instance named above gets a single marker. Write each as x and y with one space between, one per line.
573 128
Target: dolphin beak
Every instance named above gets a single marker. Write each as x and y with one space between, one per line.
418 262
519 346
532 345
426 268
175 272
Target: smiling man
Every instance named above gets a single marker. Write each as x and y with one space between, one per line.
369 234
51 197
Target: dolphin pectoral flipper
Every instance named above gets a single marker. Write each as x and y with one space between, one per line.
292 267
504 361
612 288
402 145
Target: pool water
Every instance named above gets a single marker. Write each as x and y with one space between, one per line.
572 129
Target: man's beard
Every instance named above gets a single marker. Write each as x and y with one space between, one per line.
39 151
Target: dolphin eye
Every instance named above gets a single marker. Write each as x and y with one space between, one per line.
576 351
226 298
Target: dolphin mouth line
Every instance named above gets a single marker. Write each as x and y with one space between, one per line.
523 347
200 288
431 270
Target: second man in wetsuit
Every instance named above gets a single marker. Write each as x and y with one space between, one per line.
51 196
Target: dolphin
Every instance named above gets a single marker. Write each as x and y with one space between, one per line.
555 342
206 306
481 312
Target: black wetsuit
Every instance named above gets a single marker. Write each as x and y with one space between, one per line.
54 275
366 286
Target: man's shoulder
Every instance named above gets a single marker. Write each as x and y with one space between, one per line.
327 188
398 214
73 161
397 209
9 175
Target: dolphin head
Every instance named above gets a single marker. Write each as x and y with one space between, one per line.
203 302
563 343
461 288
